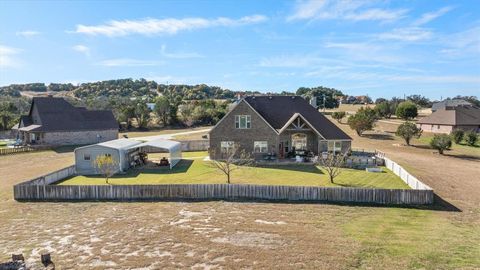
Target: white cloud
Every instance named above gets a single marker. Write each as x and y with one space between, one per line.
127 62
408 34
151 26
465 43
27 33
343 10
8 57
430 16
82 49
179 55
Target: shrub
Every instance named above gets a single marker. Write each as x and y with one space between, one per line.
338 116
441 142
406 110
407 131
385 109
471 137
362 121
457 135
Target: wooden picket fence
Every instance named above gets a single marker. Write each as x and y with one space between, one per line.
231 192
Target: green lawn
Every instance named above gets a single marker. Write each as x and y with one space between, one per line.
196 171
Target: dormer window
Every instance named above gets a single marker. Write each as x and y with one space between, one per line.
243 121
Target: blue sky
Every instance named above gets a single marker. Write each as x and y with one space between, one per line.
379 48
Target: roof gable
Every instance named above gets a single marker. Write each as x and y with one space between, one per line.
278 110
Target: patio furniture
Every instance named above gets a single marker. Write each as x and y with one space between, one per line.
164 162
270 156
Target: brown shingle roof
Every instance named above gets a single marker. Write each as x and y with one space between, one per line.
56 114
277 110
457 116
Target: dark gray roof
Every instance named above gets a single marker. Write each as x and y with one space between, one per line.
56 114
456 116
450 103
277 110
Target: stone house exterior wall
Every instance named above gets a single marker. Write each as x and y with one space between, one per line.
226 131
78 137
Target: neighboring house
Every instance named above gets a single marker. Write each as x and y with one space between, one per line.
281 125
124 152
446 120
54 121
449 103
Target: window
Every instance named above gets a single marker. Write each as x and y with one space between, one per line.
335 146
226 146
260 147
86 156
243 121
108 155
299 141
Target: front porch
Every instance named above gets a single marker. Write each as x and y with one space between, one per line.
299 142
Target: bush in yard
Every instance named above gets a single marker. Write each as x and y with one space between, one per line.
363 120
471 137
385 109
338 116
457 135
441 142
406 110
407 131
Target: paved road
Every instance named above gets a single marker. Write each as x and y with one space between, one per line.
169 136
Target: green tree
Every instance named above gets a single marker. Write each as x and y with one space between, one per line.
8 115
142 114
441 142
471 137
362 121
457 135
338 116
419 100
407 131
385 109
162 109
406 110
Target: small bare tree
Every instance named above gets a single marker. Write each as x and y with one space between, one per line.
106 165
332 163
231 159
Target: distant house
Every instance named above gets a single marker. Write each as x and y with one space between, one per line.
450 118
449 103
279 125
54 121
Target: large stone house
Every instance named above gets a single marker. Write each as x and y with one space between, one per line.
465 117
281 125
54 121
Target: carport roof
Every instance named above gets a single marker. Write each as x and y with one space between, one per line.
159 143
121 144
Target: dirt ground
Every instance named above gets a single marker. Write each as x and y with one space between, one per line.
226 235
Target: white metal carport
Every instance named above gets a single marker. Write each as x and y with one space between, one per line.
174 149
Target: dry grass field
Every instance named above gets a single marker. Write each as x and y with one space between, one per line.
216 235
